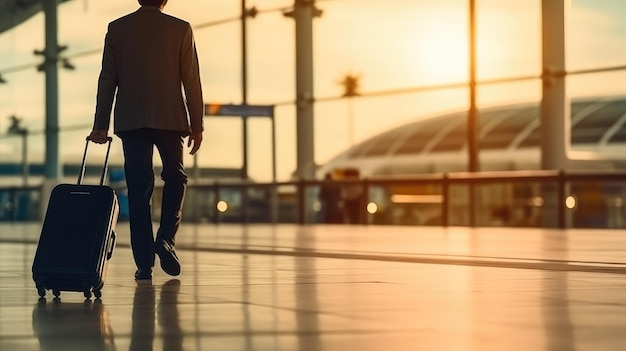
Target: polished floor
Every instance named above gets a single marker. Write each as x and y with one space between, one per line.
287 287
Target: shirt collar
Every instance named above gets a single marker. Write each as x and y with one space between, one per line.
149 8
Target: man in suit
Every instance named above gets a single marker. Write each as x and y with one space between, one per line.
149 58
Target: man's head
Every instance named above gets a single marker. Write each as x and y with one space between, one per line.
158 3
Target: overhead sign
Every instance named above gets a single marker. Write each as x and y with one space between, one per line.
238 110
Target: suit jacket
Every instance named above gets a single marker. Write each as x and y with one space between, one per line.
149 58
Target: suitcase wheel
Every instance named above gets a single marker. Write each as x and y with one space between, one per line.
56 293
97 294
87 294
41 292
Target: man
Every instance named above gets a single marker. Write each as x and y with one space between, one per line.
148 58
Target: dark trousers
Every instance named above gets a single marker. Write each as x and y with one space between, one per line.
138 147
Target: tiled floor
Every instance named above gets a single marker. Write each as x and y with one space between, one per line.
288 287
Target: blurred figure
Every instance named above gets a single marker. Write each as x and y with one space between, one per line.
330 199
352 197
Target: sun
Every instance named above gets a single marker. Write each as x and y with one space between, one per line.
440 50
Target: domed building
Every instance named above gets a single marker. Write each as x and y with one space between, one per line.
508 139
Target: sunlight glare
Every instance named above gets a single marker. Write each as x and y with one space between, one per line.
441 53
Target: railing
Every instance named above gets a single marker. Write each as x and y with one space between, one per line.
515 198
20 203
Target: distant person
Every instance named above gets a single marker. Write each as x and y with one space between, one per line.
149 57
330 199
352 197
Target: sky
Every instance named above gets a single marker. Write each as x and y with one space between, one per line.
392 45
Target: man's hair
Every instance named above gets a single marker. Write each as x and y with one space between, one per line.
158 3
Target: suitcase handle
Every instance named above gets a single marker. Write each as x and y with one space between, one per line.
113 240
105 169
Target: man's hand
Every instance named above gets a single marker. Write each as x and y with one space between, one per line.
99 136
195 140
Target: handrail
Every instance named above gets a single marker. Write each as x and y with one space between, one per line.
560 183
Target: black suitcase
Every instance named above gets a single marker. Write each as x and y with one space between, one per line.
77 237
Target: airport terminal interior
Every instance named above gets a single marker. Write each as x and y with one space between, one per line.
432 252
334 287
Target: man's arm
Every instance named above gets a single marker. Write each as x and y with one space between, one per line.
190 75
107 84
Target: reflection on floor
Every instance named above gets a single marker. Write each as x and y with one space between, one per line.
287 287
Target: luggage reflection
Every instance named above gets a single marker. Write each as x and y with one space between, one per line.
72 326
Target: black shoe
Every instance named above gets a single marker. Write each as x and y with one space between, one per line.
167 256
143 274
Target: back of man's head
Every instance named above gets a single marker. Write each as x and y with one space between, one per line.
157 3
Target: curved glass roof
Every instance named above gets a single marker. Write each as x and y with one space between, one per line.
595 122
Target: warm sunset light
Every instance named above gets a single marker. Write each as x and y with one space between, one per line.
391 45
442 55
312 175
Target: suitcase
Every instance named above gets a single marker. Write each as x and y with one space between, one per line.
77 236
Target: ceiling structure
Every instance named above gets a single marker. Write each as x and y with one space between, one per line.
15 12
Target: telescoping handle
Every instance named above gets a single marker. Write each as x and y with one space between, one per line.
105 168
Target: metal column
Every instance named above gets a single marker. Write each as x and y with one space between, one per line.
472 116
52 168
472 119
244 85
303 13
555 109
